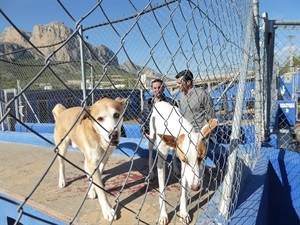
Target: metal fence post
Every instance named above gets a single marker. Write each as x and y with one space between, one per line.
258 76
92 82
269 36
83 83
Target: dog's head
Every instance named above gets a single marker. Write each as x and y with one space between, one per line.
191 150
107 118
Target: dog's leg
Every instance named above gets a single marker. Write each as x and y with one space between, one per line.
175 166
161 170
92 192
184 215
107 211
201 173
63 147
150 161
101 167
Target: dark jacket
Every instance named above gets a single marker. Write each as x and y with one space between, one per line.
147 111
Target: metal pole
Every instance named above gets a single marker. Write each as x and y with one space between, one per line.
269 34
7 118
274 76
92 83
83 83
287 22
225 204
20 90
2 113
266 78
296 91
16 103
20 103
263 74
258 77
296 84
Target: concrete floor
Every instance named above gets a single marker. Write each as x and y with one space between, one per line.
22 167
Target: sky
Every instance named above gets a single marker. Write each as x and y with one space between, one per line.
27 13
24 14
281 9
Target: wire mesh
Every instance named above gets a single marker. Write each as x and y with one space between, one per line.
286 69
110 54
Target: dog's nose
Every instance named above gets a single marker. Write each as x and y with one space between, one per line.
114 137
195 187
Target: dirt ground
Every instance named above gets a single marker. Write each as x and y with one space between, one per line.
135 199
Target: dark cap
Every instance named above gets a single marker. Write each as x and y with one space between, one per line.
187 75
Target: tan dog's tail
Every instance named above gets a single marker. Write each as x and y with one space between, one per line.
58 109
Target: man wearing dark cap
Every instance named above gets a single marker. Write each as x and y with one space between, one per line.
195 103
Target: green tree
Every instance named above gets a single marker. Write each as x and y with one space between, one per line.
287 68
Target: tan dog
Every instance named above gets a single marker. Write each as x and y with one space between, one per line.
96 131
171 130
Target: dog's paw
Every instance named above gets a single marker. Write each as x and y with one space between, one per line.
150 177
185 218
176 171
163 219
61 183
92 193
109 213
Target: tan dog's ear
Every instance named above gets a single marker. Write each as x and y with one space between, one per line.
85 114
207 129
123 100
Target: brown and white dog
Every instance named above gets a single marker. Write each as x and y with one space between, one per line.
96 131
171 130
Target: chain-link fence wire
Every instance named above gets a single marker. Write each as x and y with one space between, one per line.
282 54
287 70
118 56
284 98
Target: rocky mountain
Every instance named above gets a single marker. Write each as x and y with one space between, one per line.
10 35
48 39
133 68
20 51
55 39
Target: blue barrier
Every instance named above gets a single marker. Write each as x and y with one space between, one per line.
37 127
9 210
222 132
134 144
272 194
284 115
132 130
27 138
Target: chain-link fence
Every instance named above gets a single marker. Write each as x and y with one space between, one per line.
108 56
281 107
287 67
